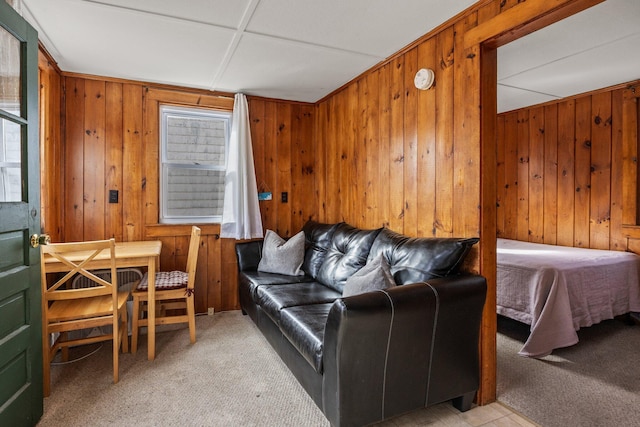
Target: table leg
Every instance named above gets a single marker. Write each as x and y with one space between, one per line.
151 310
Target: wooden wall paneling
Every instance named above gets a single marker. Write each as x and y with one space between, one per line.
213 279
443 202
536 175
52 155
582 172
320 155
303 174
151 148
426 143
600 182
74 160
352 156
370 139
618 240
384 144
550 174
113 159
510 204
410 144
630 132
396 155
566 183
229 264
467 137
332 165
501 179
94 160
283 169
133 162
523 176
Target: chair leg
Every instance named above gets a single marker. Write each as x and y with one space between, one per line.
116 353
134 324
191 314
124 330
46 363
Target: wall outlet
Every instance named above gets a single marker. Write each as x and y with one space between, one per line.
210 311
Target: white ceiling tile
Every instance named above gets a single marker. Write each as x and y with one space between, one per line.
132 45
588 70
375 27
217 12
271 67
598 25
513 98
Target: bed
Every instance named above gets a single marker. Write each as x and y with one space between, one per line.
557 290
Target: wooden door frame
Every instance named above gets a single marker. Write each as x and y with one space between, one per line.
520 20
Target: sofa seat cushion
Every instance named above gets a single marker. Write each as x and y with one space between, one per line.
255 279
347 254
417 259
304 328
273 298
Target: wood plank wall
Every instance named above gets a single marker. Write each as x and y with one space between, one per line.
559 165
110 141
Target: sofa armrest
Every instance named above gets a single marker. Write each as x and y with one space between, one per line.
249 255
379 347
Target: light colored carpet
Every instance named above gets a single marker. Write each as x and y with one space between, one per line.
231 376
593 383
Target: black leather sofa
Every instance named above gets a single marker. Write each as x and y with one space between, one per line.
368 357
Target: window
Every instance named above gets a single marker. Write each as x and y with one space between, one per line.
194 144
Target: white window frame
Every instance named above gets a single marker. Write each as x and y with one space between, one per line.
167 111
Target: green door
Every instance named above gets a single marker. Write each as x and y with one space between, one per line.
20 296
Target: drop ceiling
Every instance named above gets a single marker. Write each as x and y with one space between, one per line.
302 50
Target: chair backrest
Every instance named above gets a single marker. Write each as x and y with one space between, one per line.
192 256
76 257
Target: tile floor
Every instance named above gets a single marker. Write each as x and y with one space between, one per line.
444 414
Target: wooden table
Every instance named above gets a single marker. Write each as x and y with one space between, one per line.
144 253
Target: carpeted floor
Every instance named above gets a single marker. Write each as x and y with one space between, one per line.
230 377
593 383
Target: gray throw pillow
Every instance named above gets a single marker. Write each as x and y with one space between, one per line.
282 256
374 275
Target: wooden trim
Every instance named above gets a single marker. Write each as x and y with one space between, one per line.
523 19
488 223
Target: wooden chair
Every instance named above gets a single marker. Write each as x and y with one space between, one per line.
65 309
174 292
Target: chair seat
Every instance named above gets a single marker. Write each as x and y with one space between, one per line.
65 310
165 280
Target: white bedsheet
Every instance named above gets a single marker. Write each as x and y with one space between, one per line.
558 289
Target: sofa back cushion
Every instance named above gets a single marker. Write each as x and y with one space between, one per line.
346 255
417 259
317 241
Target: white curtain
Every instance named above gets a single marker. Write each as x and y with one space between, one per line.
241 213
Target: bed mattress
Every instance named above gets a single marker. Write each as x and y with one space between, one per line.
558 290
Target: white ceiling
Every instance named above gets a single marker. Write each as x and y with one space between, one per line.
303 50
288 49
596 48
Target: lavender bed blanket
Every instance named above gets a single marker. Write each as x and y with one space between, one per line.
558 290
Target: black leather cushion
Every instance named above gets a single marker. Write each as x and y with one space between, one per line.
418 259
318 239
304 328
347 254
273 298
253 279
